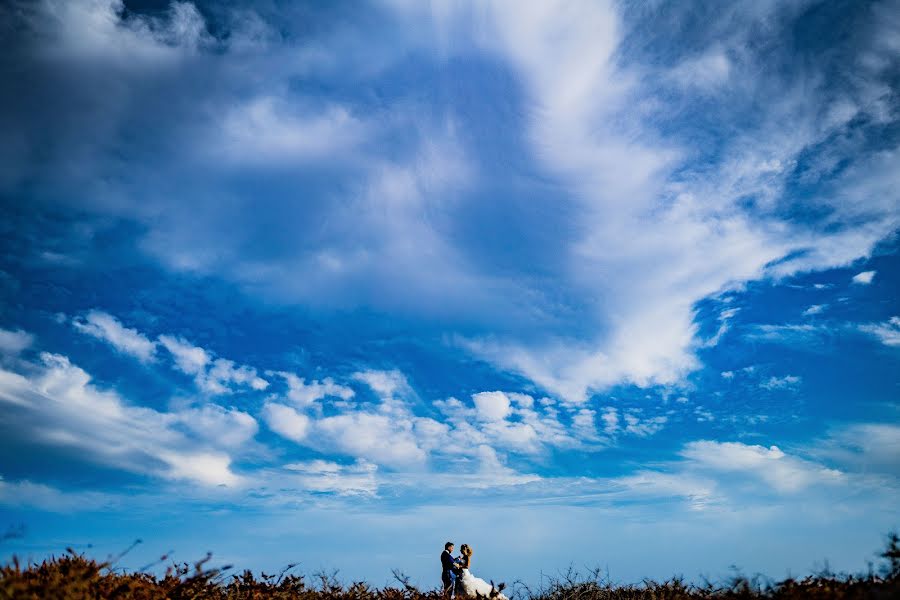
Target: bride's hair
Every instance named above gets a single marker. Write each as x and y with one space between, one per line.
466 549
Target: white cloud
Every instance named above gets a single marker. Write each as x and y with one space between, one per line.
13 342
271 131
610 419
815 309
705 72
864 447
492 472
229 428
210 468
304 394
25 493
392 389
391 434
643 427
700 492
97 29
491 406
887 332
789 334
212 375
387 384
59 405
358 479
703 415
781 383
634 424
286 422
584 424
224 373
385 434
784 473
864 278
378 438
189 359
648 258
106 327
646 235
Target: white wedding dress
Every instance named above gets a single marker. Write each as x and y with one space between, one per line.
473 587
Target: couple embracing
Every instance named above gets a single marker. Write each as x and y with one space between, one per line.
457 579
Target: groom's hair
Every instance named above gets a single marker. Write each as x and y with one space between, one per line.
447 545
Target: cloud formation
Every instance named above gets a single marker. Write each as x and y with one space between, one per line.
631 272
14 341
107 328
59 406
887 332
212 375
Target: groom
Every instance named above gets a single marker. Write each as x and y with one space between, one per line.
448 570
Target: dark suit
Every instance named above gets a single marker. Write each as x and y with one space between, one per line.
448 570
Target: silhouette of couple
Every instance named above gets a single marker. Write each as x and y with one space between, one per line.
457 580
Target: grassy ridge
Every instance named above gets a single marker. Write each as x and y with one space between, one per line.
76 577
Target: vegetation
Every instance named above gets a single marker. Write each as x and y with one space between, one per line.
74 576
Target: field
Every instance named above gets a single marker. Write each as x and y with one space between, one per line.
74 576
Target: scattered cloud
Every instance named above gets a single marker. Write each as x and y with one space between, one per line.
704 72
634 423
887 332
782 472
864 278
585 205
304 394
378 438
270 131
106 327
491 406
700 492
643 427
384 225
286 421
12 342
804 334
357 479
788 382
27 494
863 447
58 405
212 375
815 309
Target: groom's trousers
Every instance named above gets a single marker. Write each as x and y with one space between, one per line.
448 578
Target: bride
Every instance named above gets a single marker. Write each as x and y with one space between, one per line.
474 587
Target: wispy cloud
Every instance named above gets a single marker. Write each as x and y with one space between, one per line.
304 394
25 493
212 375
784 473
652 212
887 332
14 341
59 406
345 480
815 309
106 327
788 382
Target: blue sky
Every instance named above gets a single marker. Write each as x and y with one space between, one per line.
578 283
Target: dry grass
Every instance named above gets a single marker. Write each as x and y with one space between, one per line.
76 577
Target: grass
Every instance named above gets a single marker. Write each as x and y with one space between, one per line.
74 576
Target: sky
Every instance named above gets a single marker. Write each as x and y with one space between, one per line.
594 284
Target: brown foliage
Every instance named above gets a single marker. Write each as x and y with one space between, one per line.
76 577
